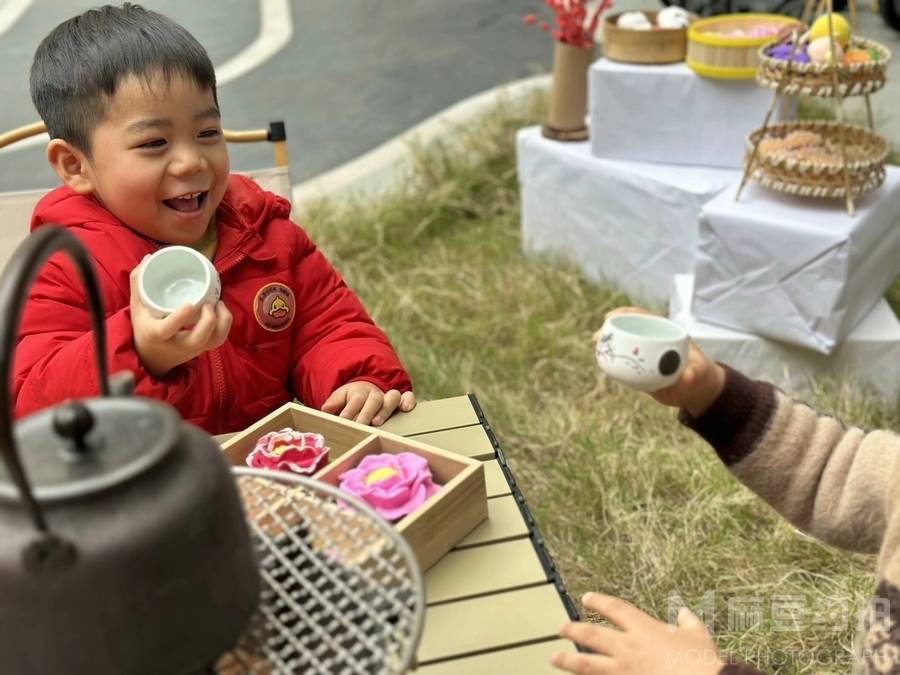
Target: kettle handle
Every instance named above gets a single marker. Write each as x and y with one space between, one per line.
15 281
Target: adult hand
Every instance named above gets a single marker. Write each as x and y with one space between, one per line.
365 403
640 644
700 383
184 334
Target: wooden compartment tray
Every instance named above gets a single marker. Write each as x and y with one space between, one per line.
433 529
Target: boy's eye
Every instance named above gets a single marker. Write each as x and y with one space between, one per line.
155 143
210 133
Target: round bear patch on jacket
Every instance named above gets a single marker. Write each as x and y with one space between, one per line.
274 307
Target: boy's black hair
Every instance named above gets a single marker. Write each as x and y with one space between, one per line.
79 65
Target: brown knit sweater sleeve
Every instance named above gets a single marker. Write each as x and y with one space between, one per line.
828 480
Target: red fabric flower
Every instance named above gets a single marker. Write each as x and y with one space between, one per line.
289 450
393 485
575 25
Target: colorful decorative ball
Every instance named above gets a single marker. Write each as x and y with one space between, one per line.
856 56
819 29
782 52
820 51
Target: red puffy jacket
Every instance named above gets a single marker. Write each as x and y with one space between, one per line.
298 330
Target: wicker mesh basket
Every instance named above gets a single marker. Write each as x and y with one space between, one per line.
866 155
816 79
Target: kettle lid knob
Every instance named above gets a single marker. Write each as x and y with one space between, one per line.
73 420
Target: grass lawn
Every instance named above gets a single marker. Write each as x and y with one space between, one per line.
630 503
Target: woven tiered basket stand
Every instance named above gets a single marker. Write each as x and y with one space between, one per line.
863 153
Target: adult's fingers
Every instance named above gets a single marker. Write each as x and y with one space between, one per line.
621 613
583 664
388 406
372 405
599 639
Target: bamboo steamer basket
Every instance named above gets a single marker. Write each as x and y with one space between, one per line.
784 172
711 52
816 79
662 45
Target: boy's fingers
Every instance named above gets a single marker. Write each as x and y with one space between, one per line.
407 401
621 613
388 406
199 336
224 320
335 402
598 639
168 326
356 399
583 664
373 403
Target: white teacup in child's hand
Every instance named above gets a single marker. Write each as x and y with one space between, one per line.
642 351
175 276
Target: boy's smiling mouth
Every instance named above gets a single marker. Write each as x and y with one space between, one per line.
188 203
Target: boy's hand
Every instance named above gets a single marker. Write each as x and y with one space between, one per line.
186 333
642 645
700 383
365 403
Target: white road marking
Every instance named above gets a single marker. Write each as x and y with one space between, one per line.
275 31
12 11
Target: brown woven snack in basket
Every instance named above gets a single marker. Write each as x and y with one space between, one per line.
816 79
803 166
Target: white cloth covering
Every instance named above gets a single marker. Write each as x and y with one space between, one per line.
668 113
630 224
795 269
870 355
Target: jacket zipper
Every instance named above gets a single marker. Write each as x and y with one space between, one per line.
215 357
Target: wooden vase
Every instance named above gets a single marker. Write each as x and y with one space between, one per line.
568 98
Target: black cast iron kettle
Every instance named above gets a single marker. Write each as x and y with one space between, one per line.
123 544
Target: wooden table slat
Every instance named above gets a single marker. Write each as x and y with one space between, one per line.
531 659
494 480
491 622
484 569
470 441
428 416
504 522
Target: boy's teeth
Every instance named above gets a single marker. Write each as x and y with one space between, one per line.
188 202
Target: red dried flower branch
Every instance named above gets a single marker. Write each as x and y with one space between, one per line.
574 24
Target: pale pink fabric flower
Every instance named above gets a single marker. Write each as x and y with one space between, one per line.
289 450
394 485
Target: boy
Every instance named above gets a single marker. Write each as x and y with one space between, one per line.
129 100
837 484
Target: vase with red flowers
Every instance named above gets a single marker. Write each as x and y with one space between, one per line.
573 52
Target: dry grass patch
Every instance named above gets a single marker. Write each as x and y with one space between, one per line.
629 502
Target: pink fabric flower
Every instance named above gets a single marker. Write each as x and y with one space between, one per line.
289 450
394 485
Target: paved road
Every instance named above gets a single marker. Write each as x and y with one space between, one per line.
354 74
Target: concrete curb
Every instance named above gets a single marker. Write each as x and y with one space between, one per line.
387 165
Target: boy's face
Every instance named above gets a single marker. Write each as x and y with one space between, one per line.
158 159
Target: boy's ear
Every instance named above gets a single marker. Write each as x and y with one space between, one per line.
71 165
